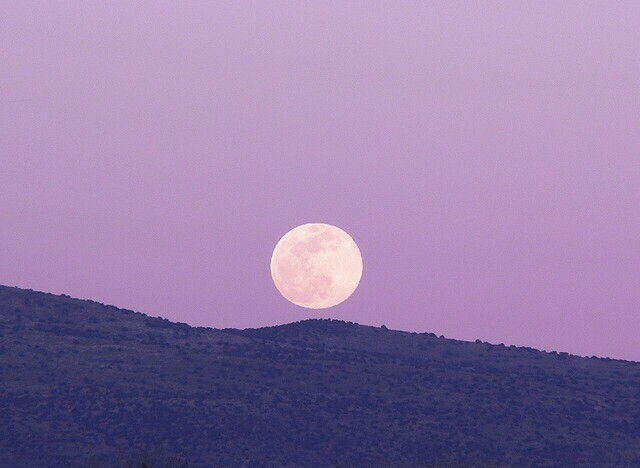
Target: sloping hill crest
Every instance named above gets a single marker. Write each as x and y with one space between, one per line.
82 382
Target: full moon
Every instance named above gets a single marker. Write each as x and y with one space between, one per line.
316 265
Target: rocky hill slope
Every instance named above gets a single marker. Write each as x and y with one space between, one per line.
83 383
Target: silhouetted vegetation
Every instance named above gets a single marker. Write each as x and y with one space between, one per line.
86 384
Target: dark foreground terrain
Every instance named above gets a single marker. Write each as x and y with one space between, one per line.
86 384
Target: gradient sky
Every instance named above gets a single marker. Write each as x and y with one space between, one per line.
485 156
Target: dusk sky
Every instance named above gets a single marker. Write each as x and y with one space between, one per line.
485 156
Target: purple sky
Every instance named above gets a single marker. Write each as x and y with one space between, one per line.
485 156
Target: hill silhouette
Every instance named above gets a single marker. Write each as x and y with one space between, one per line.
85 384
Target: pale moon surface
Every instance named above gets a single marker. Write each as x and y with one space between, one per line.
316 265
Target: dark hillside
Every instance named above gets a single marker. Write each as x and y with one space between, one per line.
81 382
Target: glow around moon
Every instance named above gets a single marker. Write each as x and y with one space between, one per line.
316 265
